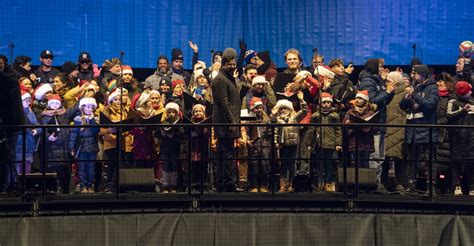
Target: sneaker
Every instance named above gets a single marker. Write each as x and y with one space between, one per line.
84 190
471 192
253 190
263 189
290 189
458 190
165 191
330 187
381 189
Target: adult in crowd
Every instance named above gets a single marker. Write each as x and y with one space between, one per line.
226 110
381 93
420 103
45 73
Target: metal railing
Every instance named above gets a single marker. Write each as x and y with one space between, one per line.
274 159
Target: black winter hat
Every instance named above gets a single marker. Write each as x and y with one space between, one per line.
68 67
264 55
176 54
229 54
166 80
422 70
22 60
372 65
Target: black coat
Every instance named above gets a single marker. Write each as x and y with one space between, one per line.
461 139
57 150
227 104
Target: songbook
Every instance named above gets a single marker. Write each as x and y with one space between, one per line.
370 119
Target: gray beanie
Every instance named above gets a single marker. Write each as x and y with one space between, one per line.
229 54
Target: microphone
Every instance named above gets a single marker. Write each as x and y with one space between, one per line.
414 49
11 46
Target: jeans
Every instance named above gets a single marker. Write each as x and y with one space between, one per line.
288 166
86 165
362 159
323 165
379 155
259 169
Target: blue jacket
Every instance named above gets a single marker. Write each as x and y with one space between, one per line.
30 139
87 136
421 109
377 93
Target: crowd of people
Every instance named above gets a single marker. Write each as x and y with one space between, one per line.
86 95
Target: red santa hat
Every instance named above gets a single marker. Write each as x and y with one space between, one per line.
255 101
25 95
87 101
41 91
326 97
54 98
324 71
259 79
363 94
115 93
127 70
172 105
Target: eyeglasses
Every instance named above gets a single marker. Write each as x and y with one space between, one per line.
84 62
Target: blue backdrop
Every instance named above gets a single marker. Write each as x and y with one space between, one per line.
350 29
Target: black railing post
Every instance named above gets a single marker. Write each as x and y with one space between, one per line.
356 178
43 164
273 159
346 157
430 165
23 162
188 157
119 161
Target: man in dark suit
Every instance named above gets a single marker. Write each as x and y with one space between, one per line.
226 110
11 113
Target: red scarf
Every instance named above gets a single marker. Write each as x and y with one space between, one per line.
443 92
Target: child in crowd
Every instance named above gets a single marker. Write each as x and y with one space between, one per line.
361 110
199 148
30 136
287 138
170 136
258 140
83 143
324 141
56 142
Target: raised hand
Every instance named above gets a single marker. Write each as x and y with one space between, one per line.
193 46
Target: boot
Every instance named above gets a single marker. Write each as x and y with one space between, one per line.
283 185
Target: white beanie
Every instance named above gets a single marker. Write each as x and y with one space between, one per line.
87 101
282 103
324 71
172 105
41 91
199 106
396 77
198 73
259 79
